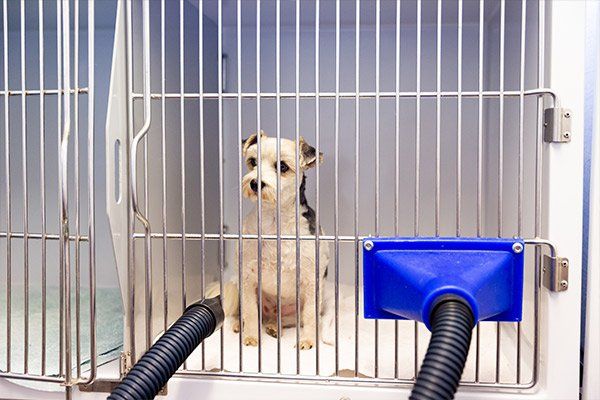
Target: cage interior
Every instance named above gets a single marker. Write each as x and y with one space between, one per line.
422 112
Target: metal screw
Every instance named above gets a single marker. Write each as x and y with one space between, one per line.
517 247
564 263
567 115
368 245
564 284
567 135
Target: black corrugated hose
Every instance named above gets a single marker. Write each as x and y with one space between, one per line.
451 326
160 362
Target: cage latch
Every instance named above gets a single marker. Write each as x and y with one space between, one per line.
557 125
556 273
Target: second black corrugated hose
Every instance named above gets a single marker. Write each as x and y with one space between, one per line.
451 327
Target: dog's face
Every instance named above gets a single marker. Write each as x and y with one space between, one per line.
269 167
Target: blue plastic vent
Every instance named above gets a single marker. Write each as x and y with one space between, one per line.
405 277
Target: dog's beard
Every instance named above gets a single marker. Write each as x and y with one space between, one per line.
268 193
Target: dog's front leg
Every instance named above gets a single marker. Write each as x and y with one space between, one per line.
309 332
250 311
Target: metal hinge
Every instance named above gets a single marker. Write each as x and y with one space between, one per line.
557 125
556 273
124 363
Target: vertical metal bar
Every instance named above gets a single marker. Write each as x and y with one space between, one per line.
221 217
438 117
142 135
479 164
259 194
240 175
25 198
520 156
278 156
163 127
500 163
480 122
501 120
202 175
397 169
63 180
148 256
417 163
317 142
182 160
139 136
418 122
77 192
7 188
131 267
91 188
296 184
59 132
459 121
42 178
337 187
538 183
377 145
357 242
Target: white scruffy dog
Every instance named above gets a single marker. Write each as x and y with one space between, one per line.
307 226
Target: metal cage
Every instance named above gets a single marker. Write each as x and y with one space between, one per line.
435 119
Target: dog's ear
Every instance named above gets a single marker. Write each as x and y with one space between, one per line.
252 139
308 154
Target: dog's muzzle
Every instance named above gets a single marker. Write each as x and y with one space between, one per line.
254 185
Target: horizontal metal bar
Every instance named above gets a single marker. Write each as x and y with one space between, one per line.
352 381
352 95
42 236
542 242
29 377
247 236
341 238
45 92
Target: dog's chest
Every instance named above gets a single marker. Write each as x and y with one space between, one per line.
269 247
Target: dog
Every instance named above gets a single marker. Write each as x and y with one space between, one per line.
289 187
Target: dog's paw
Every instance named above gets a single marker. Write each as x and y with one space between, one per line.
250 341
306 344
272 330
235 326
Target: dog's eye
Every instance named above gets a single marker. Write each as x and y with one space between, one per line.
252 162
283 167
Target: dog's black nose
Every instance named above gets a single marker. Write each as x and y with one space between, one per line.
254 185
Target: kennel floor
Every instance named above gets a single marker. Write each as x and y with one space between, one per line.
386 356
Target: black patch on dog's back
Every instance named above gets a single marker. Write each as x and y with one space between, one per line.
309 213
